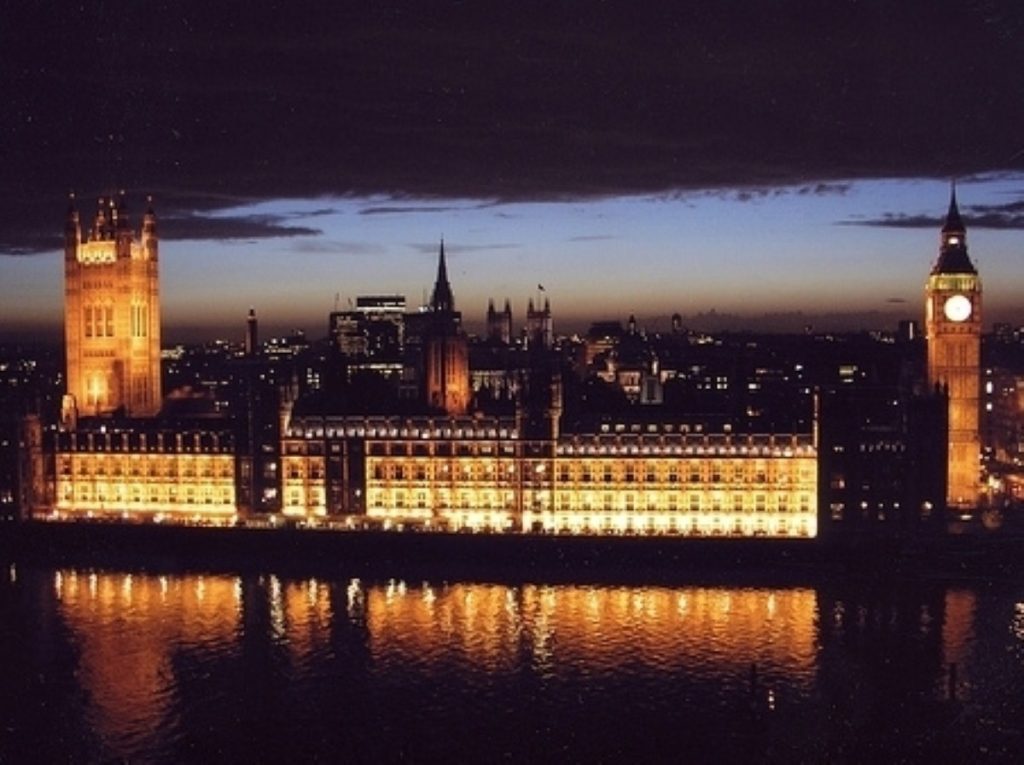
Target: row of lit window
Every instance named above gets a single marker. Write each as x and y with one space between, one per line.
302 502
301 469
440 448
429 470
84 493
610 523
701 450
181 444
606 501
173 469
385 432
401 500
608 471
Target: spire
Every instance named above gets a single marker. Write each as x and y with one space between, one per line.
953 257
100 222
251 333
72 229
954 224
442 299
121 211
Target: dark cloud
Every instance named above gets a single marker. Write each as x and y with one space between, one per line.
432 249
824 189
1008 216
231 227
211 104
330 247
896 220
398 210
757 193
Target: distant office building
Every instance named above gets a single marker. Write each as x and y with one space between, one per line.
373 330
371 337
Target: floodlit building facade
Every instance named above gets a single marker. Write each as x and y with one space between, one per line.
485 474
112 457
153 474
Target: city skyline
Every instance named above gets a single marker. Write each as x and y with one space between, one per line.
775 160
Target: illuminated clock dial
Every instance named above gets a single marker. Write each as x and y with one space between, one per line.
957 308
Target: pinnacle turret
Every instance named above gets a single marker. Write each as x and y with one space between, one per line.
954 224
953 257
442 299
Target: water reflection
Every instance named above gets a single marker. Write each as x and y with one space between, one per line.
127 629
187 666
701 630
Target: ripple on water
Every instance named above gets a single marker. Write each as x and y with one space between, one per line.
179 667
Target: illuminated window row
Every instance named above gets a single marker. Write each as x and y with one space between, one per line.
743 474
704 449
803 525
585 502
426 469
384 431
79 498
683 524
438 499
139 445
155 467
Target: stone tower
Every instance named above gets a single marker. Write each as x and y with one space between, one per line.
111 314
445 349
953 325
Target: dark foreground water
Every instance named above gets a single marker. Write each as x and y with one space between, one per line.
102 666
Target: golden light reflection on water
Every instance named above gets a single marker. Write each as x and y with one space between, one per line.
491 625
307 613
127 628
958 632
153 652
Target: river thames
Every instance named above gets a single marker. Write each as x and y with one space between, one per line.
104 665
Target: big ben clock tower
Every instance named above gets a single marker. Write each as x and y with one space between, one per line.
953 321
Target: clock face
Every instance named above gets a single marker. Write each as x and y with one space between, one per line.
957 308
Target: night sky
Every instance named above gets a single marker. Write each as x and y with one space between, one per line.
782 157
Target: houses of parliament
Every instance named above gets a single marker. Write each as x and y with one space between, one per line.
412 424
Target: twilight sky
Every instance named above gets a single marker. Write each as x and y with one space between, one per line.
771 156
